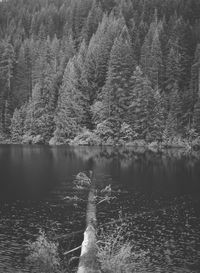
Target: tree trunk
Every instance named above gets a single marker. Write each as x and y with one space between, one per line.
88 260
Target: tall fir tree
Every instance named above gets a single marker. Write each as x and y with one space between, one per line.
17 124
24 73
139 109
97 58
93 20
155 71
174 121
69 114
116 93
196 117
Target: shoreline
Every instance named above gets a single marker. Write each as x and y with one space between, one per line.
152 146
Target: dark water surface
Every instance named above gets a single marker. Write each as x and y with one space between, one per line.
160 194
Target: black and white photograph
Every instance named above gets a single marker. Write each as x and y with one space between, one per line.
99 136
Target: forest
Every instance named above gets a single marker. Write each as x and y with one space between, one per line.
100 72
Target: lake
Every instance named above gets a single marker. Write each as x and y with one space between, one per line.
158 191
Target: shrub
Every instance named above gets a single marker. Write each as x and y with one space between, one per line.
115 252
126 132
86 138
44 255
105 131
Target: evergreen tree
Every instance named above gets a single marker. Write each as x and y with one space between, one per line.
24 73
69 112
8 115
42 106
93 20
146 48
155 71
97 58
173 67
17 124
196 117
151 54
7 66
80 11
174 120
116 93
139 108
156 119
195 77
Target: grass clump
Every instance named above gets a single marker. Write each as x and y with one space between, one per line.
116 252
43 255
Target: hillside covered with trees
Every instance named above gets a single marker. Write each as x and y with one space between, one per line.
100 71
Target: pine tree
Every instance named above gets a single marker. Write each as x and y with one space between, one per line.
155 71
69 111
195 77
185 41
173 67
67 51
42 106
156 119
146 48
125 7
116 93
151 54
17 124
196 117
139 108
93 20
97 58
8 115
174 121
2 104
7 66
24 73
80 11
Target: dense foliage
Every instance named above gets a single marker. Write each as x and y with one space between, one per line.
108 71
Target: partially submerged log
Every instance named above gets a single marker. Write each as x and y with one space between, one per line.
82 180
88 260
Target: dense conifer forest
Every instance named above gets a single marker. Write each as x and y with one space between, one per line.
100 71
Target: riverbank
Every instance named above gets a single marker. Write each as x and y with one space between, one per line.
92 140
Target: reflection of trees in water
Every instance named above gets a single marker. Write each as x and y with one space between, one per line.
128 156
154 172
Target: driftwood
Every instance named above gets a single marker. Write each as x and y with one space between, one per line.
88 259
72 250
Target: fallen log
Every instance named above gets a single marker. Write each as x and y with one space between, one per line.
88 259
